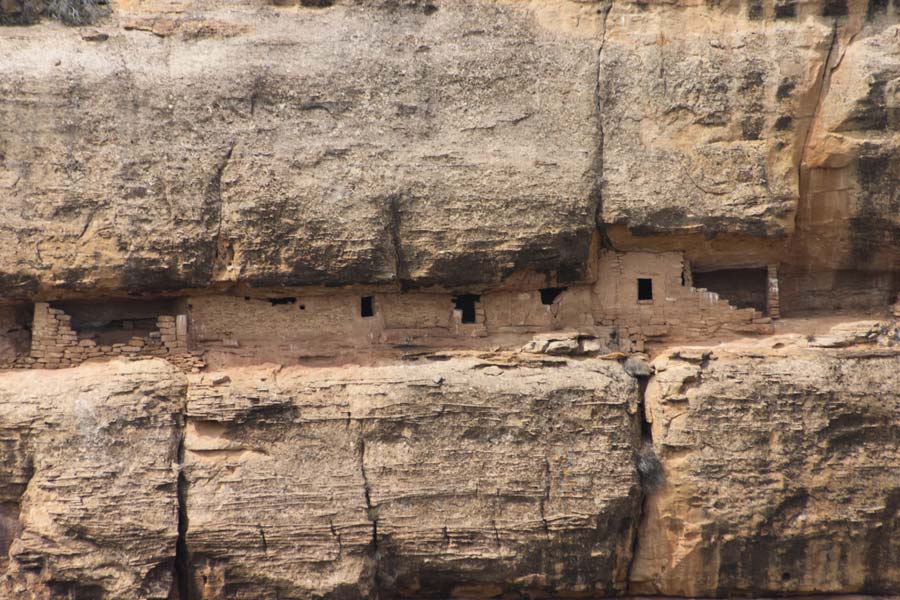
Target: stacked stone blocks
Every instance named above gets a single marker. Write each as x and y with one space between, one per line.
55 344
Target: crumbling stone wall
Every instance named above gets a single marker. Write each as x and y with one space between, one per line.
55 344
319 324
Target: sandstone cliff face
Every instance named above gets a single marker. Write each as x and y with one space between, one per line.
431 480
88 502
782 472
185 152
448 144
362 143
462 477
702 115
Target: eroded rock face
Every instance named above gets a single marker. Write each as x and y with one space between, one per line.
459 477
363 143
850 216
782 475
703 112
88 477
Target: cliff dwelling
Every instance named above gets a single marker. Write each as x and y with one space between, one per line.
449 299
637 298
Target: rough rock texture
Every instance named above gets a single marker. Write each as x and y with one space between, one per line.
427 480
488 148
455 143
702 114
782 474
88 505
850 215
447 145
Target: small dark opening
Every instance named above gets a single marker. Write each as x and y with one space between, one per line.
277 301
366 306
466 303
785 576
302 307
549 295
645 289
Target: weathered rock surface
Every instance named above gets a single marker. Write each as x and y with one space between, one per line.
850 217
88 505
702 113
362 143
426 480
451 143
782 475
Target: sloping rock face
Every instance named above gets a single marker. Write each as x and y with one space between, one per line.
431 480
88 477
782 475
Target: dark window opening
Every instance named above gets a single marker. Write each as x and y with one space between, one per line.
466 303
549 295
302 307
367 306
645 289
743 288
277 301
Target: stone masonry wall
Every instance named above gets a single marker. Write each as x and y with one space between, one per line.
676 310
55 344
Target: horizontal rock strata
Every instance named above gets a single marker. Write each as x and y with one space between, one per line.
88 505
431 480
460 477
783 475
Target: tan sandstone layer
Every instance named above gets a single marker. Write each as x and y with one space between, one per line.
465 476
782 473
448 144
426 480
88 477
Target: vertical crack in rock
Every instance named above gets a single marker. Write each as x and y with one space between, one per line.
545 497
649 471
401 271
821 92
220 256
183 581
372 516
254 94
262 537
337 536
596 193
11 516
